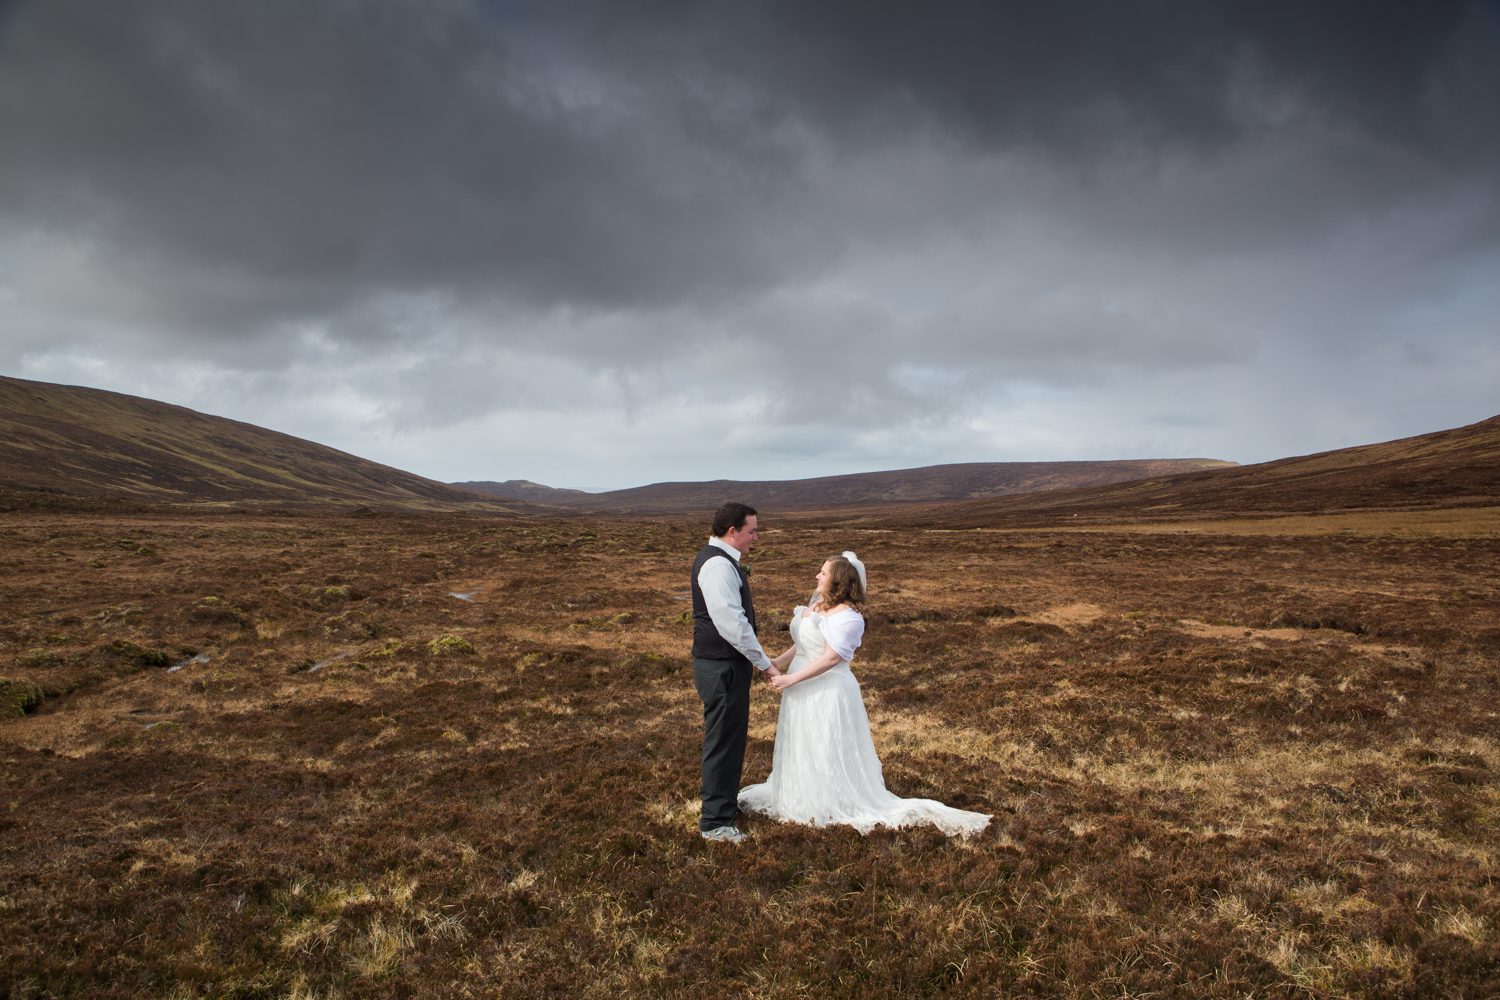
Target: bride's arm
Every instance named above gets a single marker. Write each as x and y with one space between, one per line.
842 632
826 662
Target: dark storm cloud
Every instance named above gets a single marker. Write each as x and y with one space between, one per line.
294 156
302 154
949 199
1077 75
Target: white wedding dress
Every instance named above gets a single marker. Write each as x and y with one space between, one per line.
825 770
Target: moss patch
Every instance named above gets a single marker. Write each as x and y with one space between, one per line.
134 652
18 697
450 645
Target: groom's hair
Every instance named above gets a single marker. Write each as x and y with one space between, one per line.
731 515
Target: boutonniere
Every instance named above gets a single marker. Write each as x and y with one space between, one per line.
745 568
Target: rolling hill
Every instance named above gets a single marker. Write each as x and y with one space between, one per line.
62 442
931 483
525 489
1444 469
69 444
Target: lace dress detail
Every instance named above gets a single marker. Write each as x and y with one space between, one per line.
824 769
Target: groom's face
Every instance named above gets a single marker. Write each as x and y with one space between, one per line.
744 538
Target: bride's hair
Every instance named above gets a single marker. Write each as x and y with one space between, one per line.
843 585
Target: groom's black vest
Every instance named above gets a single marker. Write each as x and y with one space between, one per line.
708 644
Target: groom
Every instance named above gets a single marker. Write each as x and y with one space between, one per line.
724 650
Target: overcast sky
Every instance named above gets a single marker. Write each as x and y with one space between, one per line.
601 244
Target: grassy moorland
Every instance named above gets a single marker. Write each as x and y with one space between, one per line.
265 756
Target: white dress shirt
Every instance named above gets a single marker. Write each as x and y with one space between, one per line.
720 583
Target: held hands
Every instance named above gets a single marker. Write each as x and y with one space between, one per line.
774 676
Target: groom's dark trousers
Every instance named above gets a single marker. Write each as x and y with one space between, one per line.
724 687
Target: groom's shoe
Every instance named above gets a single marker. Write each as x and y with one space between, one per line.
727 834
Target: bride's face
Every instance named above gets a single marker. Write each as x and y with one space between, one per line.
823 576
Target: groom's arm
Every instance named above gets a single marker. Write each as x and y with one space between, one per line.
720 584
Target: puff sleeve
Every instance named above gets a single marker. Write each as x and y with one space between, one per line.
843 631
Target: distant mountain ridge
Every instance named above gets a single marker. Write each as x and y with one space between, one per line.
524 489
72 441
1459 467
929 483
65 445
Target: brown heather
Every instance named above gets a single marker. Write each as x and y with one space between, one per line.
1229 758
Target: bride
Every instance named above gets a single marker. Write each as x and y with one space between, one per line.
824 769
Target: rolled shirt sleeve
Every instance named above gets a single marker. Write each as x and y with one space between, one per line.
843 631
720 583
